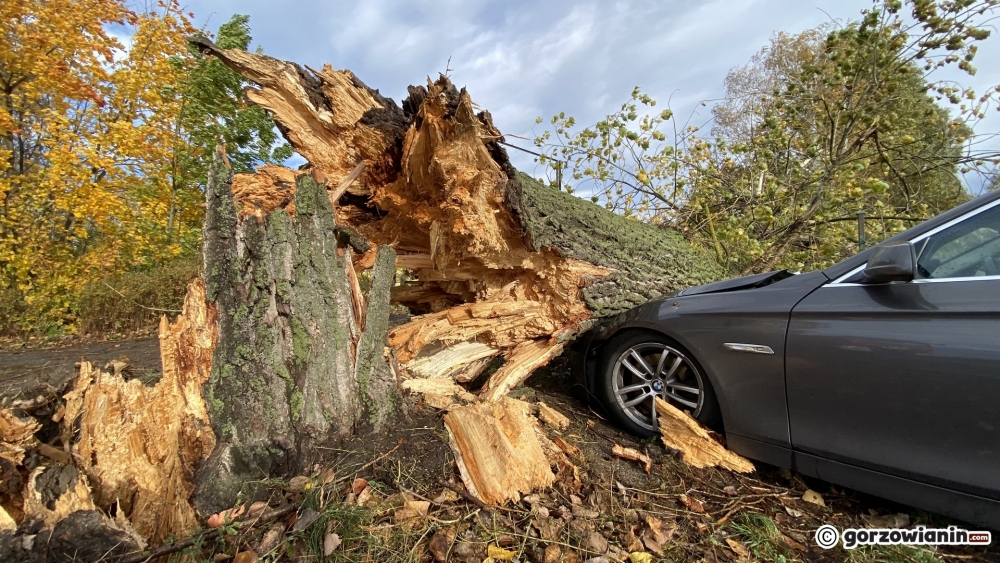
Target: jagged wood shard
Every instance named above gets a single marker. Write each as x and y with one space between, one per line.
139 446
497 450
683 433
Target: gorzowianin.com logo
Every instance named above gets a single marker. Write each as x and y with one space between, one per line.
828 536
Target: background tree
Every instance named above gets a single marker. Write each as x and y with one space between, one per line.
86 131
104 148
215 111
816 128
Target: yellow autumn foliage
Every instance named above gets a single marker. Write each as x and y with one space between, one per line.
88 136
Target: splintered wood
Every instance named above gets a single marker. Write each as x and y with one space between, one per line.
681 432
500 265
501 457
139 446
15 435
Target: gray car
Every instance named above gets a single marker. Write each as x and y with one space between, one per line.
881 373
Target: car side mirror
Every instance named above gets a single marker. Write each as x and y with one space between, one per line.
893 262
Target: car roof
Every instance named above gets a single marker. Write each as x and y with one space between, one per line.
841 268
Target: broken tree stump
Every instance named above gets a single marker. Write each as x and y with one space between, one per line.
300 356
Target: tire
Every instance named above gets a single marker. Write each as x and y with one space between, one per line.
626 388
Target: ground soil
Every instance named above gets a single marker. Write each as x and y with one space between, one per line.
614 504
24 370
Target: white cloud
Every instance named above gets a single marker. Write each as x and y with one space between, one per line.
522 59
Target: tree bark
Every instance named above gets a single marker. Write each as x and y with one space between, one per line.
298 362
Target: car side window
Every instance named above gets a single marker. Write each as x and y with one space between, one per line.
967 249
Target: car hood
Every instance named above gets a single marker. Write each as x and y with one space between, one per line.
746 282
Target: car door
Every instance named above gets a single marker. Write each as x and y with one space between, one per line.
904 377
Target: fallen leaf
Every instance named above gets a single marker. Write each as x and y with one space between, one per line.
737 547
552 553
447 495
693 504
640 557
793 512
441 543
248 556
257 508
358 485
327 476
506 540
226 516
656 534
298 483
271 539
632 542
421 507
813 497
411 513
730 490
366 496
597 543
499 554
305 519
792 544
548 528
330 543
221 557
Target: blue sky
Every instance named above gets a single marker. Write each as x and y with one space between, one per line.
521 59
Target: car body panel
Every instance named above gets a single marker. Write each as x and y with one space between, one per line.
902 378
735 284
751 391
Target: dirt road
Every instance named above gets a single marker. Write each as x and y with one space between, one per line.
25 370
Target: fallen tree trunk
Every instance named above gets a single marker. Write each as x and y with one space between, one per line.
502 265
499 259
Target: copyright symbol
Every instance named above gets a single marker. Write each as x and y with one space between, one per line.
827 536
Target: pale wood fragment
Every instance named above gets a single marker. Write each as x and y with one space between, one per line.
439 393
16 434
632 454
523 360
683 433
552 417
497 451
139 446
450 361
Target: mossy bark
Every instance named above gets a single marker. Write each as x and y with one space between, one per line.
285 376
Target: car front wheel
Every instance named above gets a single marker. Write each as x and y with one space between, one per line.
635 368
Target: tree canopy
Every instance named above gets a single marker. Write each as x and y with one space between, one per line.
106 124
817 127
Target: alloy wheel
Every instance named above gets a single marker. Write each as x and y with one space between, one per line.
649 370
